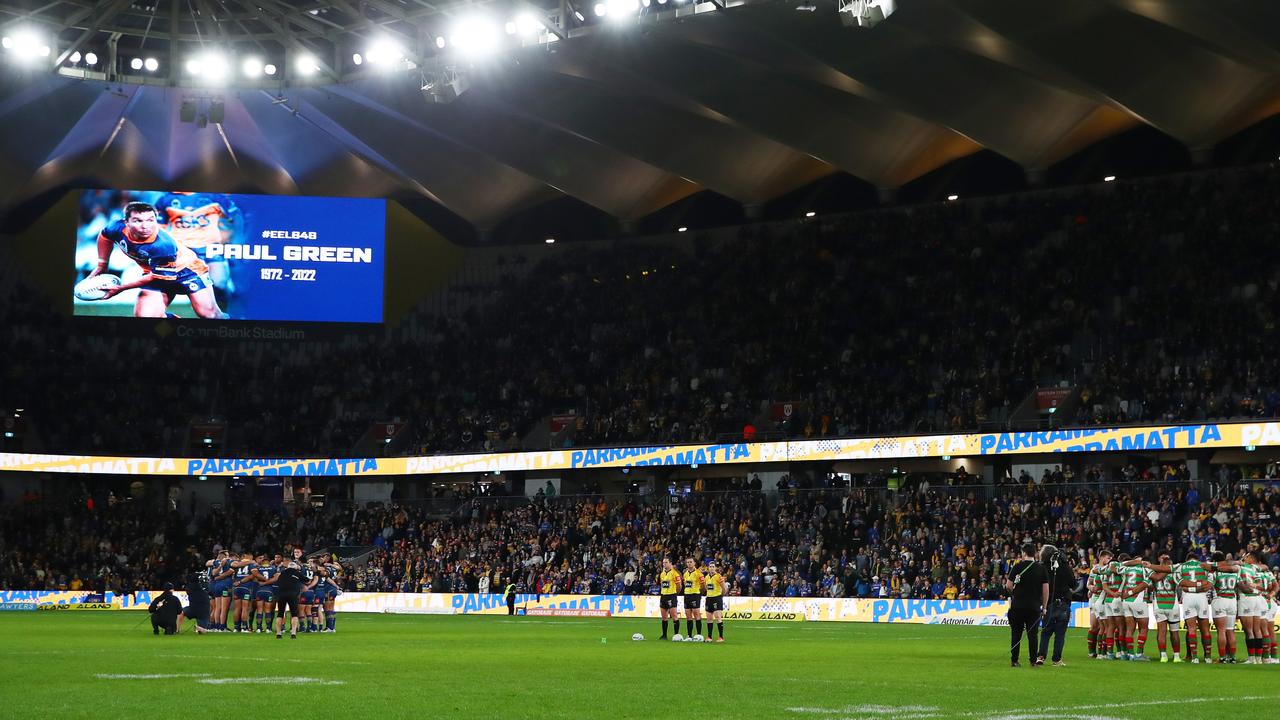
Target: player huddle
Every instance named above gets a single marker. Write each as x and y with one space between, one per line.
1124 592
250 592
695 584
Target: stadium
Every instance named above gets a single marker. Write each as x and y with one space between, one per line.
864 359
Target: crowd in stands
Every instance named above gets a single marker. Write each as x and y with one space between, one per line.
946 542
1154 297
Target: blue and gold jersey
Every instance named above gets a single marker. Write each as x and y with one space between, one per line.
268 572
197 219
163 256
244 573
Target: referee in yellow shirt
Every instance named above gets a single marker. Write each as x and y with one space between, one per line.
670 579
715 600
694 587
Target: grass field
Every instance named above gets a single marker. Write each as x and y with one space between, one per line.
93 665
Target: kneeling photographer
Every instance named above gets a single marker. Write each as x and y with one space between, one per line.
1062 583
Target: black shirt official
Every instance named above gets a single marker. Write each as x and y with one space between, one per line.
1028 587
288 586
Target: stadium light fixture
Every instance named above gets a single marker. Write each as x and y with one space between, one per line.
210 66
623 9
475 36
601 9
90 59
810 214
75 57
383 52
26 46
1109 178
151 64
580 16
440 42
682 229
307 65
953 198
135 64
550 241
357 58
269 69
6 42
526 25
8 434
251 67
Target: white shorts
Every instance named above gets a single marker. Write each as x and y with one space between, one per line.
1196 606
1251 606
1095 606
1112 609
1270 613
1135 608
1169 615
1224 608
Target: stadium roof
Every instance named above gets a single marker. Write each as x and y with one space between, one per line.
752 101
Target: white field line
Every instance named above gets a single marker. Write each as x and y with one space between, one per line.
153 676
270 681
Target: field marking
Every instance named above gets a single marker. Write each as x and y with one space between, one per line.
285 680
152 676
262 659
920 712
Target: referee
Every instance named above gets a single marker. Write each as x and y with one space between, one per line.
288 587
1028 587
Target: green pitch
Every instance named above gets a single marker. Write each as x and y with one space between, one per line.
96 665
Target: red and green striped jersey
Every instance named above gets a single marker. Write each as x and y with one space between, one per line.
1166 594
1114 579
1224 584
1097 575
1133 576
1192 571
1249 574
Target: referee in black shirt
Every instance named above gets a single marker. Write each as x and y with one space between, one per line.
289 584
1028 587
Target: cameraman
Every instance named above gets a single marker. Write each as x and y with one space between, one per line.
1062 579
1028 587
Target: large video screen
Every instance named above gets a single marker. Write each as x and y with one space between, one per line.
165 253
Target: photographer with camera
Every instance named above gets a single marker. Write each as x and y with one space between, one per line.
1028 587
1062 581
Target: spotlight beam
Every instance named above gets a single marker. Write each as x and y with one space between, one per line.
408 45
541 15
108 13
296 46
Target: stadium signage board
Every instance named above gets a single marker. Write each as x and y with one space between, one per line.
567 612
1206 436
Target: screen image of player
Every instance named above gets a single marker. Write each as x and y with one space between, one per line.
218 256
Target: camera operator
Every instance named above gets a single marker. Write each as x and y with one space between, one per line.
1028 587
1062 580
164 612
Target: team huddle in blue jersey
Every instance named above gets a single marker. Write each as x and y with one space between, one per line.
248 594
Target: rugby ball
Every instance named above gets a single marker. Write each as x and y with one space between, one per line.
689 639
637 637
677 638
92 288
697 638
